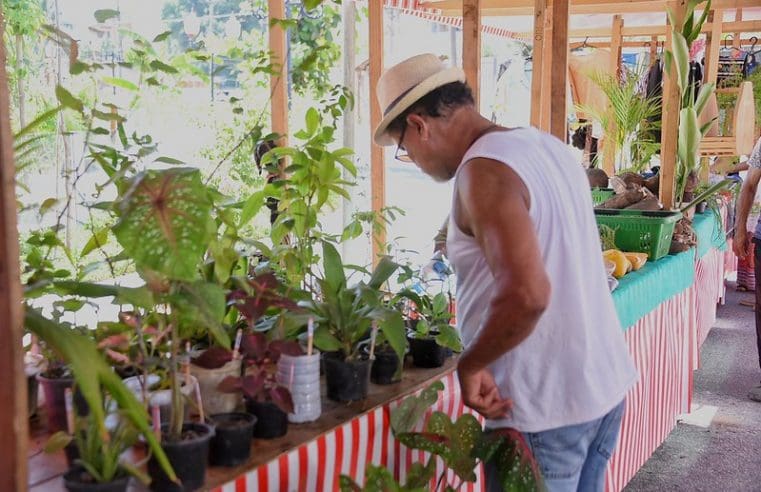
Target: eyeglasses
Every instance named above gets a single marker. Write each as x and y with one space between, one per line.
401 153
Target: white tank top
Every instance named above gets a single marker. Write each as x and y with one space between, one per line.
575 366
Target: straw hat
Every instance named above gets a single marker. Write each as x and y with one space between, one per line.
403 84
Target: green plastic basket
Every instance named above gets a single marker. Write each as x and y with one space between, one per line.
599 195
640 231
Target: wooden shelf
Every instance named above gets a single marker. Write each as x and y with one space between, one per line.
45 470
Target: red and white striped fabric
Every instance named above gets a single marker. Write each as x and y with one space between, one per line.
709 282
413 7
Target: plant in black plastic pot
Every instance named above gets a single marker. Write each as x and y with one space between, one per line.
345 316
266 399
432 338
97 462
231 444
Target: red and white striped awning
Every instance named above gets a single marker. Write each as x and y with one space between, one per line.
414 7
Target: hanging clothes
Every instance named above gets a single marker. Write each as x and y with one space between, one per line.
583 91
696 77
654 88
750 63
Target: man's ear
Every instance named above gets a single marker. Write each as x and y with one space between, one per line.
418 124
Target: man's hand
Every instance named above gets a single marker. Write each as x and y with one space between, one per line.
480 392
741 245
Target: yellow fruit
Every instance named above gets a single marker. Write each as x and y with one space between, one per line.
636 259
623 265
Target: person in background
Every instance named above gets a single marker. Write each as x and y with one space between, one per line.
744 242
545 352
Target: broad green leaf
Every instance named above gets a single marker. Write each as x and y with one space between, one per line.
433 443
169 160
159 65
689 138
383 271
704 95
312 120
448 337
312 4
68 100
136 296
325 341
122 83
253 204
103 15
681 59
202 304
334 270
165 221
57 442
85 289
162 37
47 205
352 231
97 240
393 329
406 416
92 373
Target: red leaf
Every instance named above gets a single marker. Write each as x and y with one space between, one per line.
287 347
230 384
281 397
254 346
253 385
213 358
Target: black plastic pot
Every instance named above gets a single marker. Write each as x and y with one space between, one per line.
271 422
347 381
231 444
188 457
72 453
54 391
31 390
700 208
427 353
384 368
77 480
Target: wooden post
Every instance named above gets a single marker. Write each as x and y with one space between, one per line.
670 120
537 79
559 92
653 49
13 392
736 42
471 46
279 81
609 148
377 168
713 45
546 96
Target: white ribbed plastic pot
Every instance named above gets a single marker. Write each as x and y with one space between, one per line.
301 375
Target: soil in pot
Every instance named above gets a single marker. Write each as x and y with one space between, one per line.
188 457
231 444
427 353
71 451
384 367
347 380
271 422
78 480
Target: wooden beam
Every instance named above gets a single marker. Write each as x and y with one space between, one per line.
545 97
559 91
13 391
713 45
499 8
279 81
471 46
736 37
609 149
670 119
377 164
653 45
640 31
537 56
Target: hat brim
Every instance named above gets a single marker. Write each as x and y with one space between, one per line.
452 74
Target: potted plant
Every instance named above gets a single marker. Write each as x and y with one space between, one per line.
386 367
432 338
345 316
98 463
231 444
210 367
265 397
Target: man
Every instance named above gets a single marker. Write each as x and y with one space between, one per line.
741 244
545 352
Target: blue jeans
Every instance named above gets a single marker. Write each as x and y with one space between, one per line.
571 458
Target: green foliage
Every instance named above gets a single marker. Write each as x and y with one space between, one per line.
22 17
434 321
345 314
629 113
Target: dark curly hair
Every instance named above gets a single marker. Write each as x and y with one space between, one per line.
436 103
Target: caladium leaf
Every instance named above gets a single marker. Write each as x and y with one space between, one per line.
406 416
433 443
518 470
165 221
